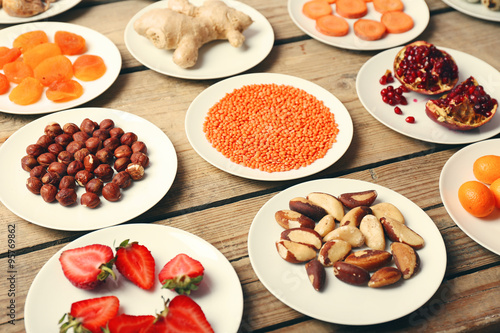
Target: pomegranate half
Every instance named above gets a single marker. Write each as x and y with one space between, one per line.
423 68
465 107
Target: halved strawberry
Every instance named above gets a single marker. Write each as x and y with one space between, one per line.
181 315
125 323
88 267
136 263
90 315
182 274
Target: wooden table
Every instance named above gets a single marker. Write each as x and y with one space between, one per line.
468 299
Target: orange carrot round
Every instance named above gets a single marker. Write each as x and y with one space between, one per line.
16 71
4 84
39 53
27 92
369 29
397 22
70 43
351 8
332 25
64 91
30 39
54 69
8 55
383 6
314 9
89 67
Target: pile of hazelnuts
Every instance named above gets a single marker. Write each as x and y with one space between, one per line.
99 157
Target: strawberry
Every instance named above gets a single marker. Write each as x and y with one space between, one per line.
90 315
182 274
129 324
181 315
136 263
88 267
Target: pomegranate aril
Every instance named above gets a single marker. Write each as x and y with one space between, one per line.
410 119
397 110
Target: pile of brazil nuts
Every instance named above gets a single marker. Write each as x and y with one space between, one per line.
356 248
99 157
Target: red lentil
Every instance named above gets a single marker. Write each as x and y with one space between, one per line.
271 127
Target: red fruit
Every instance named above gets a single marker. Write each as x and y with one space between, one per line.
386 78
423 68
182 274
129 324
465 107
181 315
136 263
90 314
88 267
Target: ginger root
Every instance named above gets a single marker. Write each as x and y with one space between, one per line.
25 8
185 27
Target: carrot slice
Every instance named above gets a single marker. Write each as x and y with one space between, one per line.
64 91
89 67
351 8
27 92
4 84
314 9
39 53
70 43
369 29
8 55
383 6
332 25
16 71
30 39
54 69
397 22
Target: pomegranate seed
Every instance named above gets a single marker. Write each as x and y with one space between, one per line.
397 110
410 120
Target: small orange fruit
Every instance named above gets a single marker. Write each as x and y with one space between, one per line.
495 189
487 168
476 198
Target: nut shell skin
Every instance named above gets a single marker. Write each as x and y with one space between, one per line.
351 274
384 277
111 192
66 196
316 273
90 200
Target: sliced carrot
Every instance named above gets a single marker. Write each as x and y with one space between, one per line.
314 9
64 91
54 69
397 22
39 53
383 6
70 43
351 8
332 25
369 29
4 84
89 67
30 39
27 92
16 71
8 55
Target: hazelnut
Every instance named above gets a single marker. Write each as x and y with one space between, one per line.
34 185
93 144
71 128
48 192
104 156
45 141
95 186
116 132
101 134
67 182
63 139
88 126
51 178
74 146
90 162
121 164
80 136
38 171
65 157
136 171
66 196
55 148
107 124
123 151
111 192
112 143
82 177
53 130
139 146
80 154
140 158
58 168
74 167
128 138
28 162
90 200
104 172
122 179
35 150
46 158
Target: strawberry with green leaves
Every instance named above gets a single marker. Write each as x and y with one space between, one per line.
182 274
125 323
87 267
135 262
90 315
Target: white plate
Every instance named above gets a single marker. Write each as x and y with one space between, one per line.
417 9
95 42
197 112
141 196
216 59
425 129
458 170
220 295
55 8
474 9
339 302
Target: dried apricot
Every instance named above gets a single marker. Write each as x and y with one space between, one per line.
64 91
70 43
487 168
16 71
4 84
27 92
54 69
39 53
8 55
30 39
476 198
89 67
